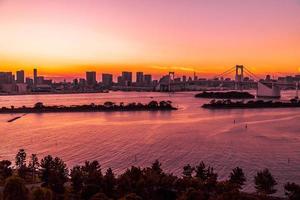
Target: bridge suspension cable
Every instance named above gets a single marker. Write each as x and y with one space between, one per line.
252 75
226 72
246 71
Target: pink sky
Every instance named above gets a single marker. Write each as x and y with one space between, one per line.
68 37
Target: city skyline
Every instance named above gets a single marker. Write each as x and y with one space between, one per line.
65 40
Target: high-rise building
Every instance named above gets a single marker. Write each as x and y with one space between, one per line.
148 79
91 78
120 80
139 78
107 79
6 78
127 78
20 76
177 80
29 81
47 81
40 80
13 79
75 82
82 81
35 76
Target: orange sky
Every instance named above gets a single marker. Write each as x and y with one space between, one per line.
206 36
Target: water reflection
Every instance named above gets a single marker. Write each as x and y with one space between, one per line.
188 135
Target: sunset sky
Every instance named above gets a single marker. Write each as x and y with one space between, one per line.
65 38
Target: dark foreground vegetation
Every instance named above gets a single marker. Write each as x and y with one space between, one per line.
106 107
225 95
228 104
50 179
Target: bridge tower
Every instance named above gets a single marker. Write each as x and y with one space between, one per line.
239 73
239 76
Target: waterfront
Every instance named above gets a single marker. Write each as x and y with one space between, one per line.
188 135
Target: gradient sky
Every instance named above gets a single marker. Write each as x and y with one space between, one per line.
65 38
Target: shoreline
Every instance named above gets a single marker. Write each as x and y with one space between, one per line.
100 92
52 93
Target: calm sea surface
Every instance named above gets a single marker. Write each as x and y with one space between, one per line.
176 138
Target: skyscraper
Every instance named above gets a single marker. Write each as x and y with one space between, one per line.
120 81
127 78
6 78
40 80
148 79
35 76
91 78
29 81
139 78
20 76
107 79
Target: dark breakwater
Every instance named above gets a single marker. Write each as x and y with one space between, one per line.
106 107
228 104
225 95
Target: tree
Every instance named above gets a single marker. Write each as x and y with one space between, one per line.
131 196
21 163
292 191
206 175
39 105
192 194
156 167
39 193
21 158
131 181
153 104
265 182
211 180
109 183
99 196
237 178
201 171
15 189
92 179
165 104
46 167
109 104
77 179
33 165
54 173
188 171
5 169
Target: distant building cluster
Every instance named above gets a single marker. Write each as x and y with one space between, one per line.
18 83
123 82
